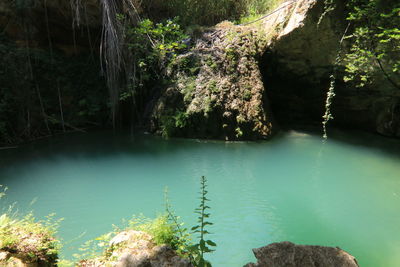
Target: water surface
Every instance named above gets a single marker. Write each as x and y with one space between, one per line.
343 193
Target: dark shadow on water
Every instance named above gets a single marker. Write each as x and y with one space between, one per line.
106 143
357 138
367 140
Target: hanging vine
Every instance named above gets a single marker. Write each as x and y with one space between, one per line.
331 91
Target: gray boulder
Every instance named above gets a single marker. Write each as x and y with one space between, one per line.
288 254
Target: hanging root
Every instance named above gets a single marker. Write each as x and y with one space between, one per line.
112 44
76 7
112 52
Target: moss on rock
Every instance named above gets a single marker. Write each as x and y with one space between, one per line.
26 242
220 94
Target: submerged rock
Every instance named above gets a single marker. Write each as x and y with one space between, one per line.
291 255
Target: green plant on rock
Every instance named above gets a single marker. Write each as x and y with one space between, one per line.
29 237
189 89
173 121
247 94
153 49
374 46
154 46
213 86
161 230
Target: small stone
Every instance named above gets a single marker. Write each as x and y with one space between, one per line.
4 256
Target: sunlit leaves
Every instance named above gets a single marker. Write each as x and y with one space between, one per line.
375 42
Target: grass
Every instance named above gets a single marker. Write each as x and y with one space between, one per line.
258 8
161 230
29 237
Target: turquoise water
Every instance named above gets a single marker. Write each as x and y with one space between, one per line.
343 193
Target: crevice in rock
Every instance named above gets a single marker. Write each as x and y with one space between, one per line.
294 100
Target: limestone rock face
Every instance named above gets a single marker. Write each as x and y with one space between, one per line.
296 56
219 92
250 79
297 66
290 255
226 97
136 249
72 25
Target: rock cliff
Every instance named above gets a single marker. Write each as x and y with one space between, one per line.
251 79
297 66
238 81
38 21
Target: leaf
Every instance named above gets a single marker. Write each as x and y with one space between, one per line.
211 243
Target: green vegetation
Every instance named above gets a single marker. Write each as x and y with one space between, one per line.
47 90
195 252
203 246
34 241
153 47
375 42
160 230
374 46
26 236
163 230
207 12
28 239
255 9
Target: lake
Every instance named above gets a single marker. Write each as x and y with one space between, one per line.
344 192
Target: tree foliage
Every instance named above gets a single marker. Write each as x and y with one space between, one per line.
375 41
206 12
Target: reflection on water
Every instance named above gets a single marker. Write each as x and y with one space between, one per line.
342 193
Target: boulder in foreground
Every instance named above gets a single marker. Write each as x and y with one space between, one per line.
291 255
